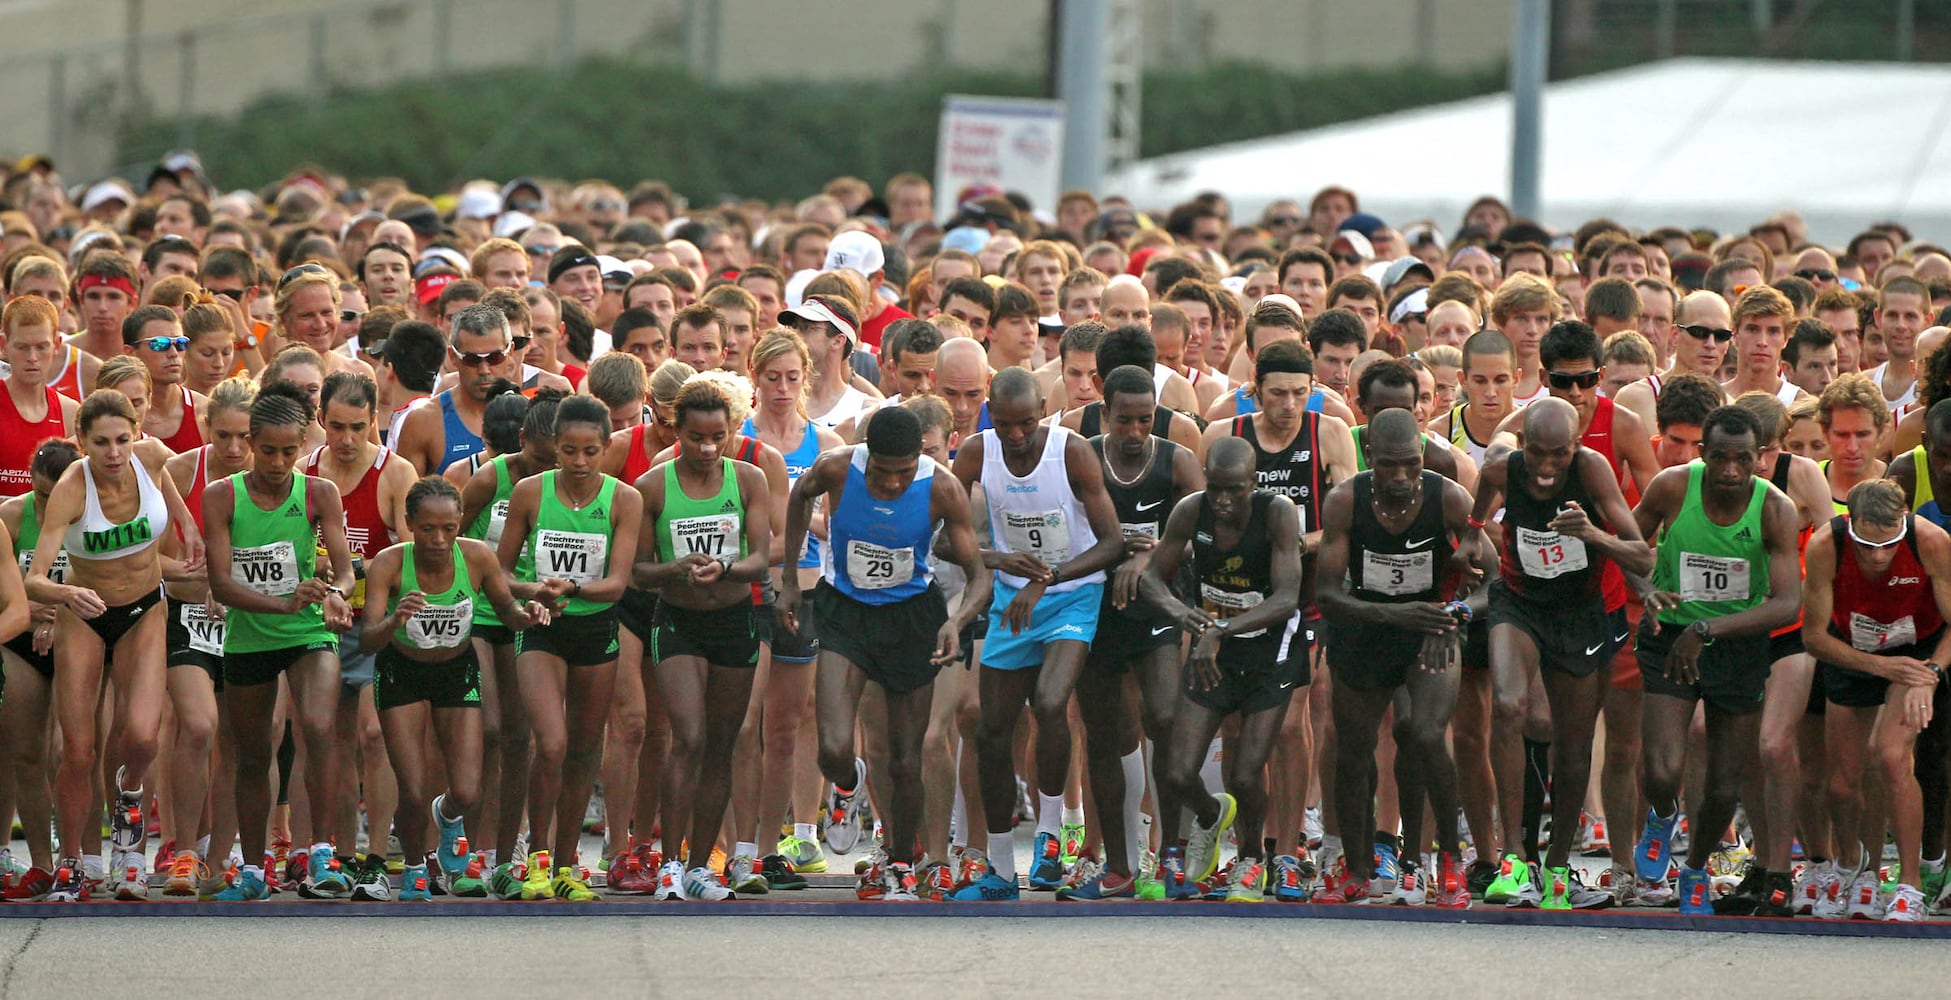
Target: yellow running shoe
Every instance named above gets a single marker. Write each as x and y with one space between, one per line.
536 885
570 885
804 855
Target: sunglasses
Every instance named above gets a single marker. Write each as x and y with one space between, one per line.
539 251
374 350
518 343
233 294
1566 380
1699 332
1284 220
305 268
490 359
350 316
1903 528
1816 274
161 344
1350 259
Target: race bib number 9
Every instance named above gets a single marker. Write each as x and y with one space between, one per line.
1397 575
576 556
873 567
1547 555
1043 534
441 626
271 570
1712 578
1872 636
1224 604
206 632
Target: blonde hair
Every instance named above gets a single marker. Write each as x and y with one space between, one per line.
736 389
235 393
1853 390
1769 413
777 343
295 354
206 317
667 382
301 281
176 291
120 369
1522 292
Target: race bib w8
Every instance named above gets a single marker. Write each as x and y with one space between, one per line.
271 570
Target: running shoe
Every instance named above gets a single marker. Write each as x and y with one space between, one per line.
1408 889
1530 892
396 859
370 883
990 888
1290 886
127 834
1327 886
1249 881
186 872
1202 847
165 856
31 887
1934 880
778 874
1865 897
1149 890
1777 898
871 882
452 852
1576 895
1047 871
1727 867
840 821
1386 866
298 864
413 885
804 855
935 881
743 876
1651 855
670 881
1213 889
506 881
1172 874
901 885
1452 890
1351 891
703 885
470 884
1746 894
247 887
1651 893
1593 842
10 865
571 885
131 882
1696 893
1479 876
972 866
1832 894
1101 885
1086 869
328 878
1071 836
1906 905
1512 876
536 886
717 861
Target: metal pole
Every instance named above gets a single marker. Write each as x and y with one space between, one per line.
1081 85
317 87
1906 28
443 37
1530 53
186 91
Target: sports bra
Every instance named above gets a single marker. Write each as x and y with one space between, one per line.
95 537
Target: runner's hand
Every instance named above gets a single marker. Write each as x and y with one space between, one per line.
1917 704
193 553
948 645
1426 618
1203 664
1194 620
44 638
410 604
787 603
1124 582
1657 601
1572 522
1439 653
1139 543
1026 566
1908 671
1683 660
311 590
85 603
554 592
1022 608
213 609
537 613
706 570
338 614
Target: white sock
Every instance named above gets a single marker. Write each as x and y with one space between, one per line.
1209 772
321 845
745 849
806 832
1049 814
1330 849
1133 765
958 818
1002 856
1073 817
488 859
203 846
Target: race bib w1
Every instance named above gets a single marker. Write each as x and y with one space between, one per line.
441 626
1397 575
1872 636
1043 534
576 556
1712 578
875 567
57 572
1224 604
1547 555
271 570
206 632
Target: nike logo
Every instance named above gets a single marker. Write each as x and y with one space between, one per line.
1161 630
1621 637
1418 545
1595 649
1143 507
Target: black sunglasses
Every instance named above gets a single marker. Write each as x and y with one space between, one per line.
1284 220
1816 274
518 343
350 316
1699 332
1566 380
1350 259
233 294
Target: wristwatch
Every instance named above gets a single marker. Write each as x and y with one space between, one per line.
333 589
1702 632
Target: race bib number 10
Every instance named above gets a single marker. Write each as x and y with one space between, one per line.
1712 578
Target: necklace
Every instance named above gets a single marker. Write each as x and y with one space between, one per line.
1375 501
1111 468
571 501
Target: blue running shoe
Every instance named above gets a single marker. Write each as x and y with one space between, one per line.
989 888
1290 885
1103 885
1047 872
452 855
1386 869
1651 854
1172 872
414 885
1696 893
327 878
247 887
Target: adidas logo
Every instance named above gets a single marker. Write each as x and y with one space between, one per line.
731 507
598 511
293 511
1744 535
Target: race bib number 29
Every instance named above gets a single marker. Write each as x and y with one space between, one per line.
875 567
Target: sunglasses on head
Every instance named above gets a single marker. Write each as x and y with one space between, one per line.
490 359
305 268
540 251
1566 380
1903 528
161 344
1816 274
1699 332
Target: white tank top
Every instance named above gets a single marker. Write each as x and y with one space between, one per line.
1037 513
1788 393
1160 374
846 408
95 537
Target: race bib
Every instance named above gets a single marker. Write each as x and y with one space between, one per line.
1712 578
874 567
441 626
1547 555
714 535
1872 636
271 570
1043 534
1224 604
206 632
576 556
1149 529
58 572
1397 575
497 520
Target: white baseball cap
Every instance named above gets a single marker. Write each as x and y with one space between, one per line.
855 251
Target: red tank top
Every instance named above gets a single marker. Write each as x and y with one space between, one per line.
365 529
187 437
19 439
636 463
68 383
1893 610
1598 437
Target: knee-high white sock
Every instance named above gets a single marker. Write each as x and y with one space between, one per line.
1133 764
958 818
1002 855
1049 814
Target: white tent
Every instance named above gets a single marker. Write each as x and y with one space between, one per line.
1721 143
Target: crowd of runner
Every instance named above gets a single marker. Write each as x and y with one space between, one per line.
1296 558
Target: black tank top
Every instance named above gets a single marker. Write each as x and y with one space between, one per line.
1538 563
1294 472
1397 569
1091 424
1142 506
1231 581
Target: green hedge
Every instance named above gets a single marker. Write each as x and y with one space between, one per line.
628 122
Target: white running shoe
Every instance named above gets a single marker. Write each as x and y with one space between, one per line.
1653 893
670 881
702 885
1808 888
131 883
1409 889
1832 895
1865 897
1906 906
840 820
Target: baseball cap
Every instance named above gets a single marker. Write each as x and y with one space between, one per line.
104 192
968 239
1364 223
1401 268
1415 302
579 257
509 223
363 218
614 270
477 203
541 195
855 251
429 286
1423 233
424 220
815 311
446 255
1356 242
1282 300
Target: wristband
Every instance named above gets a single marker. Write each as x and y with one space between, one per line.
1459 611
1475 522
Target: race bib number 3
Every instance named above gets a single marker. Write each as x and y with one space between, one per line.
1547 555
1872 636
1148 529
873 567
1712 578
271 570
206 632
1397 575
1043 534
576 556
715 535
441 626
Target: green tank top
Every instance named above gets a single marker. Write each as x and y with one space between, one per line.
714 526
270 552
573 544
30 536
1361 457
445 623
487 527
1716 570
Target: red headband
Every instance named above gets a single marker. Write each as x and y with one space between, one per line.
104 281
